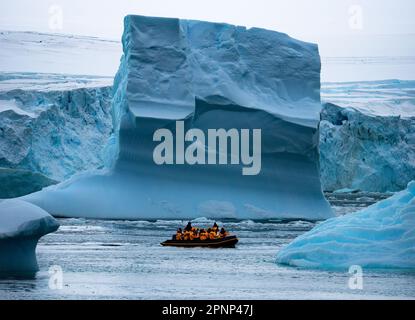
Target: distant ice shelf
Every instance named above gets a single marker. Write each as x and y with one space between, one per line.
384 98
58 53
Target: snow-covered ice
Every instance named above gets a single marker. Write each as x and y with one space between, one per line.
380 236
58 53
21 226
49 82
6 105
210 76
384 98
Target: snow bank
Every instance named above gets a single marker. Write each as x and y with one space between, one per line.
21 226
208 75
381 236
363 151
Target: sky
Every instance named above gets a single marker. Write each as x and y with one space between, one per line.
341 28
301 18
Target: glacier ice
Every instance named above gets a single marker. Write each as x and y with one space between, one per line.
380 236
210 76
365 151
344 152
52 127
21 226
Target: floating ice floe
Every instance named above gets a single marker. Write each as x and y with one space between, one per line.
380 236
21 226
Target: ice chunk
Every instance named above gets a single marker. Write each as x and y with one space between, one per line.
21 226
381 236
210 76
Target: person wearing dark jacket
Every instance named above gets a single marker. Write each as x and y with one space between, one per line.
223 233
188 227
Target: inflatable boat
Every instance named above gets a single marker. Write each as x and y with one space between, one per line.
227 242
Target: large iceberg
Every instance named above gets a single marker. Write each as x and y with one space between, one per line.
380 236
206 76
21 226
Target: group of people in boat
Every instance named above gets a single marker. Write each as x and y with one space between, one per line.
191 233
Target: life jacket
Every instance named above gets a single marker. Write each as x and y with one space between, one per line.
203 236
187 235
212 235
179 236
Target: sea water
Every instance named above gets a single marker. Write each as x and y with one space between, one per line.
93 259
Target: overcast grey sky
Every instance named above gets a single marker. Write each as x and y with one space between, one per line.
357 27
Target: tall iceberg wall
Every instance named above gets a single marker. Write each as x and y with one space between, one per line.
207 76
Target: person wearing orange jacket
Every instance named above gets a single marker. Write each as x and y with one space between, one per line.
194 234
179 234
186 235
203 235
212 234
